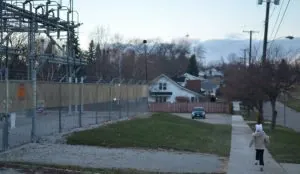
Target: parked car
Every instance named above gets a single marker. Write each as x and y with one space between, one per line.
198 112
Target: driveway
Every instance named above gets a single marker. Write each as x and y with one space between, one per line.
210 118
292 117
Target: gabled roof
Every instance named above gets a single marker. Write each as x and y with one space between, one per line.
191 77
172 81
178 79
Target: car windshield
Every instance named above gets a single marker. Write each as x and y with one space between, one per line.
198 109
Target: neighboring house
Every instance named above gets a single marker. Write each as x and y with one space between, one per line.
163 89
208 87
191 77
201 74
180 80
194 85
185 77
213 73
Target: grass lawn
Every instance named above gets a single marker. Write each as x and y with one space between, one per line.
161 130
285 144
294 104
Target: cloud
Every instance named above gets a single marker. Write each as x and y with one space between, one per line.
236 36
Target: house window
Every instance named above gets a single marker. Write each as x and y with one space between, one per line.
160 86
164 86
164 99
160 99
192 99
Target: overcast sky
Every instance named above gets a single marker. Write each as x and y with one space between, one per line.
168 19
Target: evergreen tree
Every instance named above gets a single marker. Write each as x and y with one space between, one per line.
98 60
91 52
98 52
75 43
193 67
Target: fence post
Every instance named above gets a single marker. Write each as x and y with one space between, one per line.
96 101
120 105
59 110
33 130
136 101
6 115
70 99
110 103
76 100
127 99
81 103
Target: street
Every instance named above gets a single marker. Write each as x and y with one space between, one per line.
292 117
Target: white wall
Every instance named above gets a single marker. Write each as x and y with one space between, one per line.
171 87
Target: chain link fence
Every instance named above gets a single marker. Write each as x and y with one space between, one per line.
61 107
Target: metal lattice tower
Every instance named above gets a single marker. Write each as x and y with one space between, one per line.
36 17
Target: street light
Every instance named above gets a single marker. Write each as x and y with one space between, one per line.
290 37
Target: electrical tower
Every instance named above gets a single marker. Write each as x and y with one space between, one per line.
41 17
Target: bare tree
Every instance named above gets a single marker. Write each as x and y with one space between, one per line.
200 54
233 58
101 35
278 76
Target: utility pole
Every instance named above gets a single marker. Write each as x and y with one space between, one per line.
245 57
264 56
250 44
276 2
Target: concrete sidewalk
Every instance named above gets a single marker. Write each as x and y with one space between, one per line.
242 158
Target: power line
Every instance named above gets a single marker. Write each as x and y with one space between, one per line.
281 21
272 11
277 18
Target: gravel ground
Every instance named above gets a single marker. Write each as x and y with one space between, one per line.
51 150
49 125
10 171
210 118
95 157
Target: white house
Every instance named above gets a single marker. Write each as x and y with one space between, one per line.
163 89
213 73
201 74
186 77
